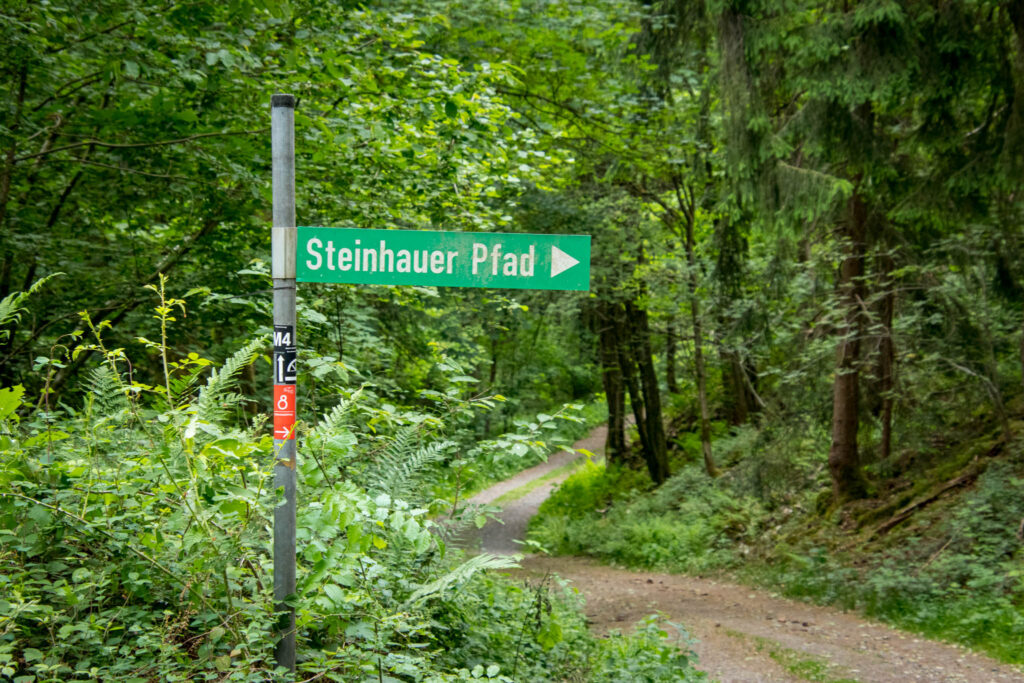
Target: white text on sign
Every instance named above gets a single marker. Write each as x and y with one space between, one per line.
382 259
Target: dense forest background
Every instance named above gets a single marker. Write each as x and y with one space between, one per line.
805 313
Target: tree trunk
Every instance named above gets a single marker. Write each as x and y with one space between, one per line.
657 455
492 378
1016 10
886 355
992 382
698 352
614 390
736 381
671 341
843 456
13 127
627 365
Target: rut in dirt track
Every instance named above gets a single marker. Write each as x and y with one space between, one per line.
740 634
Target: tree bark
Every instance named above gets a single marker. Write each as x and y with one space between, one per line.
657 455
5 181
1022 354
638 395
614 389
885 373
492 378
992 382
736 383
627 365
698 350
671 341
843 456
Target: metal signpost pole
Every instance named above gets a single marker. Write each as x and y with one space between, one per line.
283 241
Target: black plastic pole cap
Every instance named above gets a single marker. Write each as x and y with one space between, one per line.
282 101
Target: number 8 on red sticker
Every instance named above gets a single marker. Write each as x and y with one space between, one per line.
284 411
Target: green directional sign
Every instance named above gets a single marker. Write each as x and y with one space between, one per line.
443 259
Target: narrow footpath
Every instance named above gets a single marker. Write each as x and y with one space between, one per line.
740 634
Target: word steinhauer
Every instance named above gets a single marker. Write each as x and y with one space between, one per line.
360 259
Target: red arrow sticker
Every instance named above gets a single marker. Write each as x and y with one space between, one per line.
284 411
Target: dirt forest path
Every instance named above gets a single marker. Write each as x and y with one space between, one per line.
740 634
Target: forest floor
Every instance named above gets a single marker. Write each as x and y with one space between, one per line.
739 633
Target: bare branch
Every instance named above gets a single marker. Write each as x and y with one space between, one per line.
140 145
84 39
134 171
78 83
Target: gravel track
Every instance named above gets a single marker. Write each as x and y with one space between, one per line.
740 634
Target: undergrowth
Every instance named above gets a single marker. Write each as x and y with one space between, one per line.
135 539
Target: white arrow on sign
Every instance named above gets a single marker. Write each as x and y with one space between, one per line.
284 432
560 261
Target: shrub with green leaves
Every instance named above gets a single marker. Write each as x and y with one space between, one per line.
962 582
687 524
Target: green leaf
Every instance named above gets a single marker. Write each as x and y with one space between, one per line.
46 437
10 400
361 629
549 635
335 592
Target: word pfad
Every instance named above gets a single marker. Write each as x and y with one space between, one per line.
443 259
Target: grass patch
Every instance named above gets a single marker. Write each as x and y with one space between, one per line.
517 493
800 664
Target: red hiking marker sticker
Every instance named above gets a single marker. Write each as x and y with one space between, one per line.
284 411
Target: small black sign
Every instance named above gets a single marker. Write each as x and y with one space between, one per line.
285 355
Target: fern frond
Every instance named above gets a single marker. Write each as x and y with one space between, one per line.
219 386
401 467
11 305
333 420
461 574
336 417
107 392
463 528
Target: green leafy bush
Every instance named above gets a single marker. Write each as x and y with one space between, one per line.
687 524
962 583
